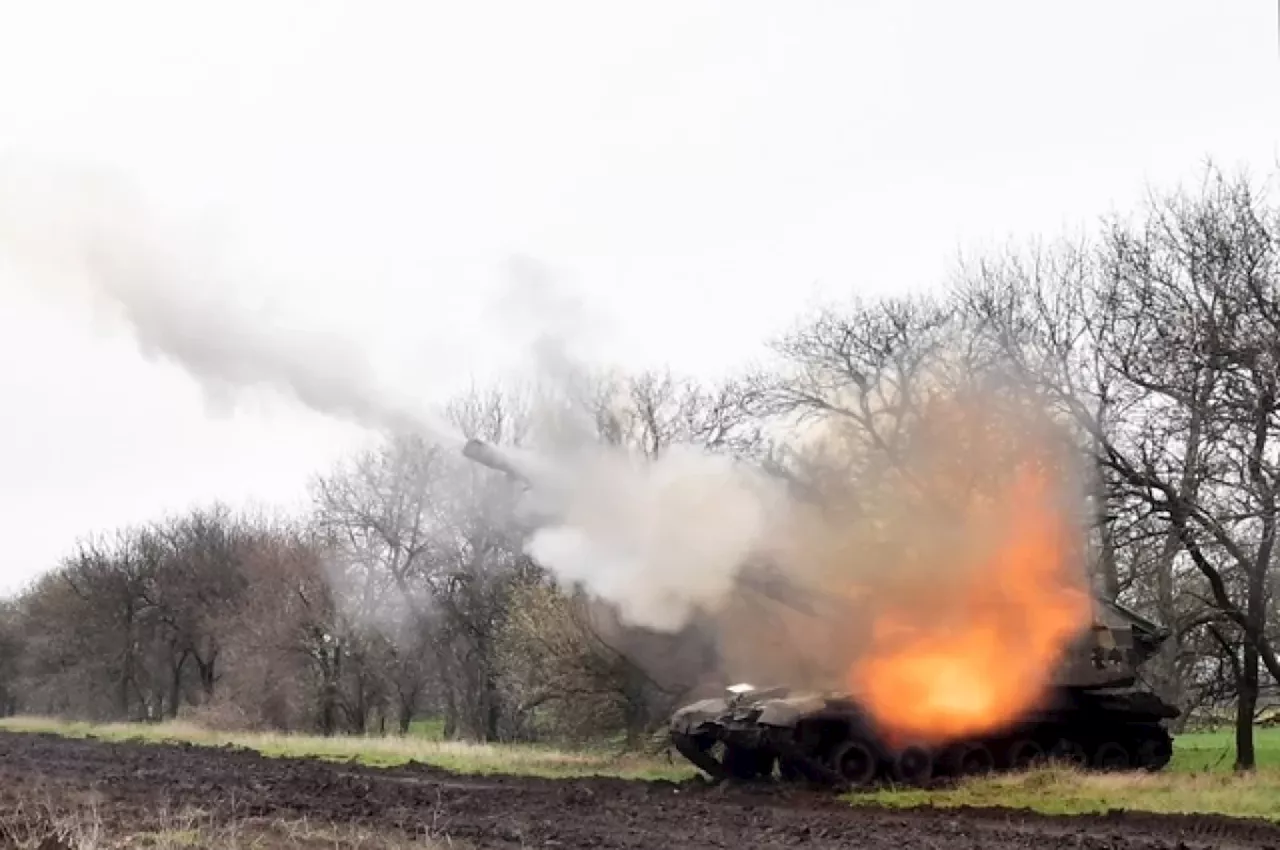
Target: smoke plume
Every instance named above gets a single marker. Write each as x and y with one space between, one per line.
943 586
661 538
84 237
942 589
946 588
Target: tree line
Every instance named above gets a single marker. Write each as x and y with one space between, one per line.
405 592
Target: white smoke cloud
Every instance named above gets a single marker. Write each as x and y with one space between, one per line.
660 538
83 236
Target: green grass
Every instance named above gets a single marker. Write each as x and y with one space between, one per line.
1199 779
432 729
1216 750
1065 791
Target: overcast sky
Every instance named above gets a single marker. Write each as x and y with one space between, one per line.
695 172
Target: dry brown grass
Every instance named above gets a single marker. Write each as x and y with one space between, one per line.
515 759
48 822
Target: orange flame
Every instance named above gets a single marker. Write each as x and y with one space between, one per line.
974 649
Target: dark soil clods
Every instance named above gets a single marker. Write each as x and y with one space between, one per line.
133 781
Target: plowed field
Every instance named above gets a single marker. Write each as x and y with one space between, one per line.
134 785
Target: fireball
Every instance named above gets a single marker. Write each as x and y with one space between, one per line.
974 647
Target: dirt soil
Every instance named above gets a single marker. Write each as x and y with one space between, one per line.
134 785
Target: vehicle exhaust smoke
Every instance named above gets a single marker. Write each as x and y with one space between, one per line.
80 236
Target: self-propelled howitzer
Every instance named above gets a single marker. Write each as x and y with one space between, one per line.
1092 715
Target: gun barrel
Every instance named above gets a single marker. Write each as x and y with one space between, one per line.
486 455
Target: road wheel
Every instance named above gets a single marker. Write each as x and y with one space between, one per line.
1153 754
856 762
971 760
1069 752
913 765
1111 756
1021 754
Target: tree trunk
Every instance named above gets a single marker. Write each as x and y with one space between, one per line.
1106 566
405 714
1247 703
1257 615
360 710
175 685
1256 604
492 707
329 693
327 711
208 672
127 662
122 697
1168 684
126 681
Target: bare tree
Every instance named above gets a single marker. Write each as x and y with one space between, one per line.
1176 319
567 679
425 558
849 385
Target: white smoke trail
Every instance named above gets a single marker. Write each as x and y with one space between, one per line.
82 236
660 539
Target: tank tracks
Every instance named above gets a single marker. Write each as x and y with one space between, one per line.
845 756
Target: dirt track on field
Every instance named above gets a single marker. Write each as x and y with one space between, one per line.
132 784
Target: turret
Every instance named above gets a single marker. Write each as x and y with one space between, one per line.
1111 652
